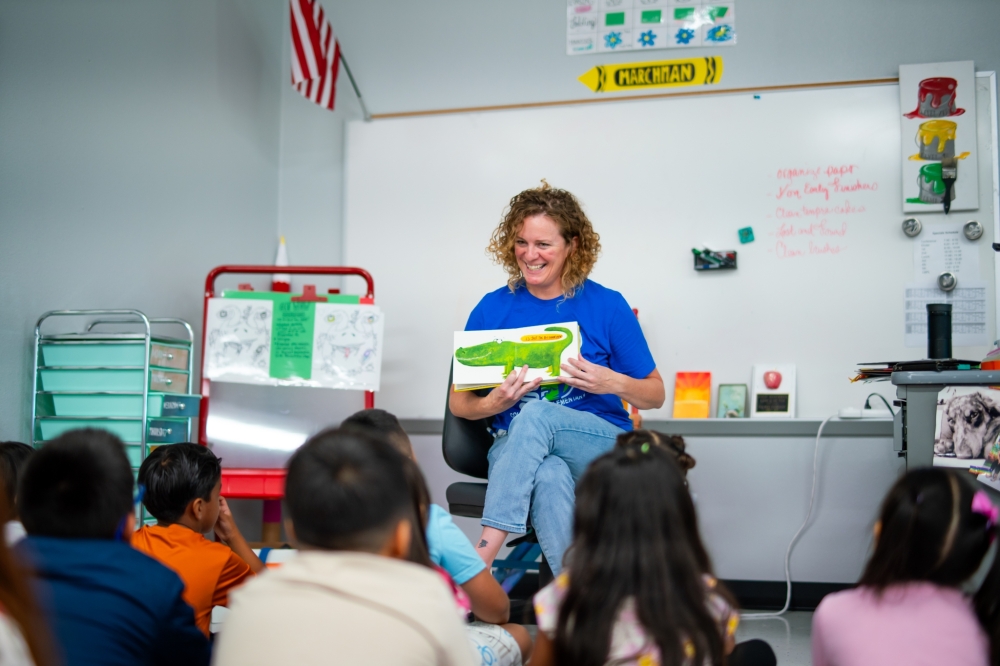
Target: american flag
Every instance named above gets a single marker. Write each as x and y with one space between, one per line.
315 53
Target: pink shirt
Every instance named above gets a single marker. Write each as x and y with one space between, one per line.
913 624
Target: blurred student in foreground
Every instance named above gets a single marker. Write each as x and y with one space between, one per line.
106 602
350 596
497 641
13 457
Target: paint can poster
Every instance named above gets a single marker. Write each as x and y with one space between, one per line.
938 123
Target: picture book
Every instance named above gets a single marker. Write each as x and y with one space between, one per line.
692 395
483 359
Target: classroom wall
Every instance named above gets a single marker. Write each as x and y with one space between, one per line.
311 173
139 147
454 53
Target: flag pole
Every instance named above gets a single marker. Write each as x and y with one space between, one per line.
364 109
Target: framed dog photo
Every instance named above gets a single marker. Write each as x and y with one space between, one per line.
732 403
968 422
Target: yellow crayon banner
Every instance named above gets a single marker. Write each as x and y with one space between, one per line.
659 74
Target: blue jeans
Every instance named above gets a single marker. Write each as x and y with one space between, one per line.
535 467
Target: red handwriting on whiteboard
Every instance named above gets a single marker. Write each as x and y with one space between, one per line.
815 172
846 208
816 229
782 251
856 186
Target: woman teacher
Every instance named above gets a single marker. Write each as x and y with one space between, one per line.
545 437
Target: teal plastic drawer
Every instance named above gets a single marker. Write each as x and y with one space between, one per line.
82 380
134 453
103 354
159 404
128 431
174 404
168 381
165 431
91 380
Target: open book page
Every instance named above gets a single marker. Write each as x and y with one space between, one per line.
484 358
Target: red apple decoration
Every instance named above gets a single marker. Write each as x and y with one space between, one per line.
772 379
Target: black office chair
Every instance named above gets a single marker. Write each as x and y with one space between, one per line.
465 444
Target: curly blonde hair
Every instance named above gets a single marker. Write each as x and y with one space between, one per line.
562 208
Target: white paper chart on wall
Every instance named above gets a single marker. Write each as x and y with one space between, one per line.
605 26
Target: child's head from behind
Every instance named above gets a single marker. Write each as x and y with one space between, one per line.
77 486
635 536
182 485
348 490
384 425
932 527
673 444
13 457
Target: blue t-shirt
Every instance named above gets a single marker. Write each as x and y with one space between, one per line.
450 548
107 603
610 332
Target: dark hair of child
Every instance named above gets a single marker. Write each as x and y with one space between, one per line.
13 456
345 490
420 498
382 423
18 603
672 443
632 540
78 486
176 474
929 531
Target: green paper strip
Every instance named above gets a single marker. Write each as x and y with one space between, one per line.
292 340
285 297
652 16
617 18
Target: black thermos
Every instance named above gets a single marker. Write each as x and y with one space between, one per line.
939 330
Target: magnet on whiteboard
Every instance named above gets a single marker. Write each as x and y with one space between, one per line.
973 230
947 281
912 227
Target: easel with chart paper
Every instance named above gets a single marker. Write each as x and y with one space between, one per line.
257 427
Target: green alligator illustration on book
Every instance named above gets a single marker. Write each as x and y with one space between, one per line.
546 353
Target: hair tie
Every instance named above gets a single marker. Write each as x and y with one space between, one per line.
982 505
645 449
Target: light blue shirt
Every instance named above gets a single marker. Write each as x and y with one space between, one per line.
450 549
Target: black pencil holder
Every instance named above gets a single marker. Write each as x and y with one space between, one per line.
939 330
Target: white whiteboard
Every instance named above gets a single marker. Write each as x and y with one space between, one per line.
658 178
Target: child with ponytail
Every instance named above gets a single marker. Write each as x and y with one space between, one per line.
638 585
932 535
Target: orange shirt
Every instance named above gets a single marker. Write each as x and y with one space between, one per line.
209 569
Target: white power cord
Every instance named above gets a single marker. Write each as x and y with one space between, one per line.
802 528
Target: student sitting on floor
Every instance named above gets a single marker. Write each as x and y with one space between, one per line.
350 596
13 457
638 586
182 483
672 444
933 532
450 549
106 602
